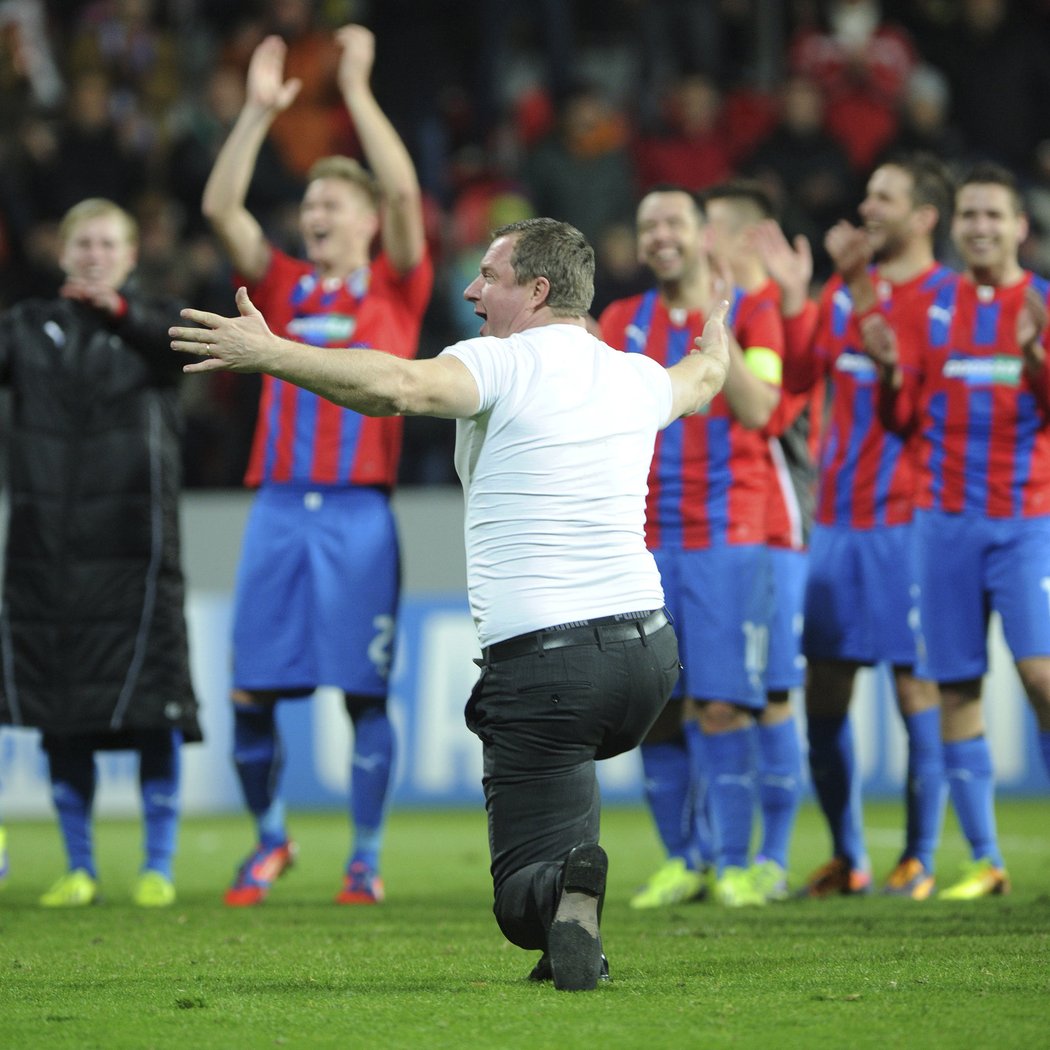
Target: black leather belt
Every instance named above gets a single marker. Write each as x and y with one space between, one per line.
604 630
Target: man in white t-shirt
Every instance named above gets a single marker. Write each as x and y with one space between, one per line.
555 436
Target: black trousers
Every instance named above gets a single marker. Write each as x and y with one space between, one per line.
543 718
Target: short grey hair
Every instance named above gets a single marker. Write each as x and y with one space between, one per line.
555 250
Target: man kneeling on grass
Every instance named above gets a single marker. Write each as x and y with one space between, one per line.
555 435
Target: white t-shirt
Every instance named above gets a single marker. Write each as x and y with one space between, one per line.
554 467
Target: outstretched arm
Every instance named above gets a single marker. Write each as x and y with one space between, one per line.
402 228
702 372
372 382
268 94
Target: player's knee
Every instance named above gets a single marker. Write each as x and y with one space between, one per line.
777 709
915 695
962 717
263 698
718 716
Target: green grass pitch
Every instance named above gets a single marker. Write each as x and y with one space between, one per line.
429 969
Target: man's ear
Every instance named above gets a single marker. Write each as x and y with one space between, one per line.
541 290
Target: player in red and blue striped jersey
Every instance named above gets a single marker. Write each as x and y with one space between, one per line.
317 585
705 523
734 212
858 601
971 378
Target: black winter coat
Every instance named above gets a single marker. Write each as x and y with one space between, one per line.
92 630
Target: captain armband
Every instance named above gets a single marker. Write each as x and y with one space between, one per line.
765 363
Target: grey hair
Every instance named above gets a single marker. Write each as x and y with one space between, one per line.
555 250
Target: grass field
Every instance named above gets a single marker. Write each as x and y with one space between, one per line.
430 969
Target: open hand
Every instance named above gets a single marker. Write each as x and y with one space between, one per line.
267 87
230 344
789 263
357 58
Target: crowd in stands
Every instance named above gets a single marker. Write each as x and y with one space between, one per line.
570 109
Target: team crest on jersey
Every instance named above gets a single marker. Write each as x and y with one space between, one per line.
323 329
1000 370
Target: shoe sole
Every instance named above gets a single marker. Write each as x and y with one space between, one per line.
357 898
250 896
1000 889
921 892
574 945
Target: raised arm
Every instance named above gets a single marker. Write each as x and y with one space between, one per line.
791 266
388 159
267 95
702 372
371 382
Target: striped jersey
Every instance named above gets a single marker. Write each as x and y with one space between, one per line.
867 473
708 478
301 438
983 418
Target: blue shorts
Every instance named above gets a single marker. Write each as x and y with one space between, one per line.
317 591
720 600
969 566
786 666
860 602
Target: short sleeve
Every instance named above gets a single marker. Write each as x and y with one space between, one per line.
489 361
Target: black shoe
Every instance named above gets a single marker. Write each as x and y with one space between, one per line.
574 945
542 970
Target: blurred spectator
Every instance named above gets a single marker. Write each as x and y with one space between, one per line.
1035 252
617 273
122 41
924 119
805 170
582 173
203 127
862 64
675 38
26 59
996 61
692 148
501 26
315 125
80 154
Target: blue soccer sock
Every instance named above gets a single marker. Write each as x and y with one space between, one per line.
703 848
371 768
837 784
779 787
259 759
968 767
730 762
668 791
159 767
926 790
1044 748
71 765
